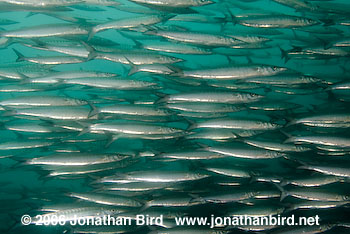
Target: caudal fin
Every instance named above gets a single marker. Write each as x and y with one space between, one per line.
94 111
20 57
284 194
284 55
92 33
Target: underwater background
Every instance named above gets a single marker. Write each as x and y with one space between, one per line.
175 108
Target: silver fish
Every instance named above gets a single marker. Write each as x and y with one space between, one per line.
112 83
75 159
51 112
235 123
48 30
328 170
196 38
245 153
32 101
173 3
276 21
165 176
106 199
213 97
126 23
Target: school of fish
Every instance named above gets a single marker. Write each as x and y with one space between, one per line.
174 108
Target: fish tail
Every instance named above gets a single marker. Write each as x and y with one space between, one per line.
162 97
94 111
150 30
84 131
92 33
192 124
284 55
289 140
195 198
110 138
327 21
289 123
92 51
8 111
20 56
302 167
232 18
145 207
284 194
134 69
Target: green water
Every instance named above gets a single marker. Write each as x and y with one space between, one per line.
28 189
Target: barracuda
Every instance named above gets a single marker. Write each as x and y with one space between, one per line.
276 146
165 176
340 142
134 128
136 58
112 83
58 77
44 3
191 155
259 210
133 109
30 101
17 145
106 199
221 134
314 195
76 51
49 60
163 69
177 111
213 97
232 172
226 197
328 170
135 187
51 112
173 3
35 127
245 153
71 214
276 21
284 79
234 72
247 124
76 159
319 120
203 107
313 181
176 48
46 31
128 23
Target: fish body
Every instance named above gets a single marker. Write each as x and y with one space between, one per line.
233 73
46 31
276 21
